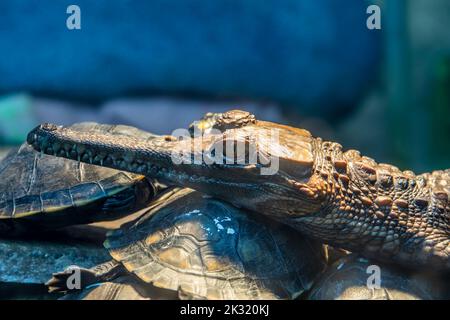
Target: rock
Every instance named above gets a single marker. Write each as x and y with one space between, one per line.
3 152
33 259
33 262
318 56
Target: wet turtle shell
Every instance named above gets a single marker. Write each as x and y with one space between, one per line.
207 249
353 278
40 191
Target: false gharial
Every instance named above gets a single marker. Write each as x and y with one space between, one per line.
340 197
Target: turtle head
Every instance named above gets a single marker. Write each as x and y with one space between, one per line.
253 164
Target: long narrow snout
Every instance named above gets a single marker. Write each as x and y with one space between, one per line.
126 153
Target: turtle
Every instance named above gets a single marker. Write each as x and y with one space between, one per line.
199 248
42 192
355 278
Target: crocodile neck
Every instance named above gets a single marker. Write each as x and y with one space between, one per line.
378 210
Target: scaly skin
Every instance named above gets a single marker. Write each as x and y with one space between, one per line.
342 198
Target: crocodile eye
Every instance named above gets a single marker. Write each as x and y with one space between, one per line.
241 151
234 151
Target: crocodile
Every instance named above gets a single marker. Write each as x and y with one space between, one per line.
338 196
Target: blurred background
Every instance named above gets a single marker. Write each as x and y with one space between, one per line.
161 64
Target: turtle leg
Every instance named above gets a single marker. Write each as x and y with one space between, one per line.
76 278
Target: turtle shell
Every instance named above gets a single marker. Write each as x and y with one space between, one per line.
353 278
39 191
126 287
207 249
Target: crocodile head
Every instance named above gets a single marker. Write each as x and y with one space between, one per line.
253 164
